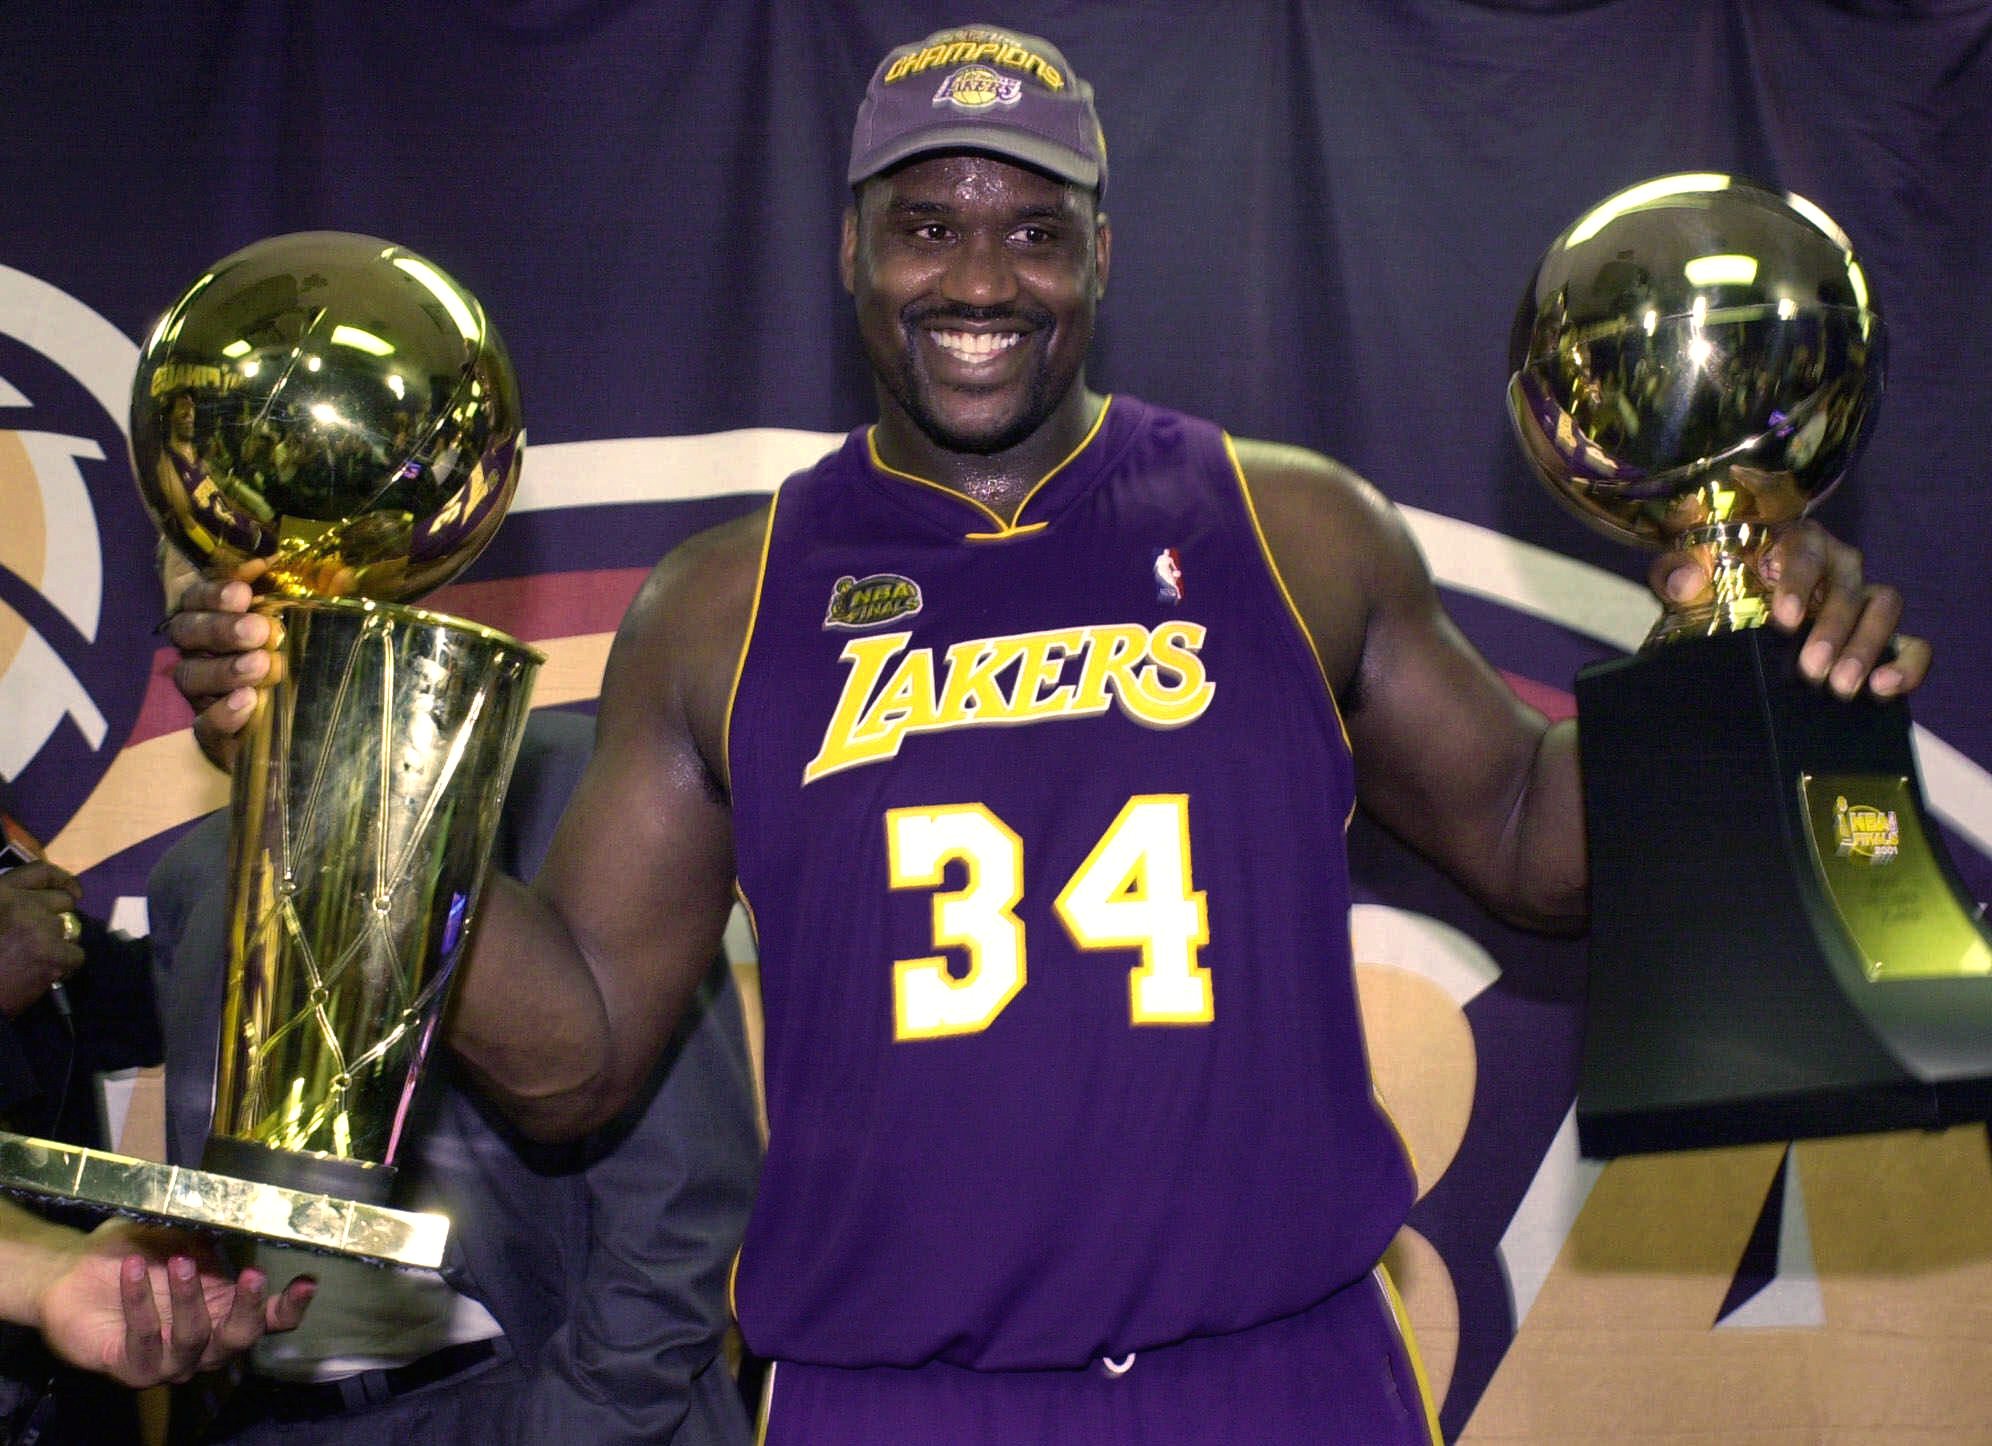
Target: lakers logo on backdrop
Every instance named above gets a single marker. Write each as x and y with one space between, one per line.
77 601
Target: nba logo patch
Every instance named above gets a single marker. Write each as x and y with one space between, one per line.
1168 575
868 602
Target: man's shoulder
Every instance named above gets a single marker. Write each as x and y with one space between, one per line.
681 637
709 564
1274 460
1299 487
702 586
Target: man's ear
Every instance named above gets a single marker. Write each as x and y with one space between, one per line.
1103 253
847 250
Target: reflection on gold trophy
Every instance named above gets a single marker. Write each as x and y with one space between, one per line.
1695 363
334 416
1779 944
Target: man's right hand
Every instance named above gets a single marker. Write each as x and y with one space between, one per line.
227 653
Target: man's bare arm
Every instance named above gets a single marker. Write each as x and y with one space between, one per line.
576 982
1446 756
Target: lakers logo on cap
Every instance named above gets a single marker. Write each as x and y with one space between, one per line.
977 87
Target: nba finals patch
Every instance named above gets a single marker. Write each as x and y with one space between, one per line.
977 87
866 602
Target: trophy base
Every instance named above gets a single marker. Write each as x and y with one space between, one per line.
310 1174
71 1174
1780 947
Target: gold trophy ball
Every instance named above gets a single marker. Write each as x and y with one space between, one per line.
1696 361
332 409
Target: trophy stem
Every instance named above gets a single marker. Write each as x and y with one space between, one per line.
366 802
1738 598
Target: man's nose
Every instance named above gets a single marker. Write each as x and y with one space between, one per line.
979 273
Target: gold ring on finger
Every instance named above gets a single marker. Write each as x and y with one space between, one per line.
72 927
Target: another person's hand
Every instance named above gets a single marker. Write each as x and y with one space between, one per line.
1852 638
145 1305
38 933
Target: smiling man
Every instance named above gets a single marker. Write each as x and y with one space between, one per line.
1027 725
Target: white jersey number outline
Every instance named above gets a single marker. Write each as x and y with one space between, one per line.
1133 891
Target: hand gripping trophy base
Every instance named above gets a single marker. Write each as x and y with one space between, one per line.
1780 946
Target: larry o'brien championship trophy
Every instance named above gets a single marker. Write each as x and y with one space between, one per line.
1779 945
337 412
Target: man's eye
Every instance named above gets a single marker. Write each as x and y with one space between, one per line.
933 231
1034 236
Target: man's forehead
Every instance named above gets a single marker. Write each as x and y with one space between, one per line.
969 176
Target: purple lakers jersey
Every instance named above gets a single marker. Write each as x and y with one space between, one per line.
1041 830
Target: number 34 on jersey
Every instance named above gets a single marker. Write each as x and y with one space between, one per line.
1134 891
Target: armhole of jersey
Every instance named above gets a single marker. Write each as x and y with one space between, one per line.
1293 610
747 638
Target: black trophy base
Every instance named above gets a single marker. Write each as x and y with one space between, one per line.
293 1170
1729 999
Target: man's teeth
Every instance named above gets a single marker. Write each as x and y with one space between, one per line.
975 345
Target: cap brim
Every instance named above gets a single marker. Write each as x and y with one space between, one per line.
1033 150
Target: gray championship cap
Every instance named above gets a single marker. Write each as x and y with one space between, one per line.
980 88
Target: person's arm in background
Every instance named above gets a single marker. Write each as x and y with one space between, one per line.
142 1306
111 999
34 951
638 1358
53 1044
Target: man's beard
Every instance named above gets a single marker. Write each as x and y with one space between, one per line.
1042 391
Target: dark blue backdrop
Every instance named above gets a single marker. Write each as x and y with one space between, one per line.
1324 216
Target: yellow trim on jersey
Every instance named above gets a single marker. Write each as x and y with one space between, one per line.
747 908
1411 1350
1272 567
1004 530
747 642
766 1407
1024 531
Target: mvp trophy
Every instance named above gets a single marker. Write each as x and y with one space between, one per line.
1779 945
333 415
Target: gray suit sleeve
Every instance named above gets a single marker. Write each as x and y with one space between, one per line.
640 1346
637 1358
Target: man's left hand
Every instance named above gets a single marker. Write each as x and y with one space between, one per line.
1852 639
